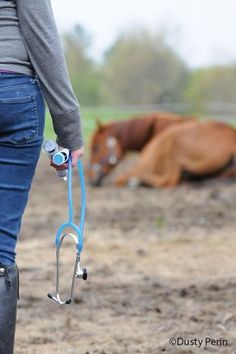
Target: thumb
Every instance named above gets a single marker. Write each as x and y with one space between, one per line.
76 155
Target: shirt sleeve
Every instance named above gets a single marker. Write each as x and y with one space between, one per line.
44 47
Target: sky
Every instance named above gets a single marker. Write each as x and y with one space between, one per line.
202 31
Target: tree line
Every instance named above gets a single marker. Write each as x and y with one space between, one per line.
142 68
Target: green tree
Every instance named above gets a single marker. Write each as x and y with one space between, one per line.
211 85
84 73
141 68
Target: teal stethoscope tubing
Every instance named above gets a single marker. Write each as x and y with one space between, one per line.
70 223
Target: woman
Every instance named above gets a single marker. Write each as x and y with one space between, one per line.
32 67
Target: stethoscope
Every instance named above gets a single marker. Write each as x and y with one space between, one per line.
59 157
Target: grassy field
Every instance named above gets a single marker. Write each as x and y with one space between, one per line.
89 116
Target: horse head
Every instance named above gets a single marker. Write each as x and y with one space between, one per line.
106 152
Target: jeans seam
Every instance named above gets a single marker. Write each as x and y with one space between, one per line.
37 113
15 88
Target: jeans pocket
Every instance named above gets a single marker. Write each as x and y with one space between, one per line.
18 119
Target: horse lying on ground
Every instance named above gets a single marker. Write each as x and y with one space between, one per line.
112 141
196 148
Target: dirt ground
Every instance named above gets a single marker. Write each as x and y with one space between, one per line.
161 265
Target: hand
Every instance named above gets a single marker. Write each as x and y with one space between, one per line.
75 155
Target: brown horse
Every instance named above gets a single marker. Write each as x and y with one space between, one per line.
112 141
196 148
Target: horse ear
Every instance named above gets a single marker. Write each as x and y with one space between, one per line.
99 124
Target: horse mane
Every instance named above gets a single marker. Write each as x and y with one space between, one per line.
135 132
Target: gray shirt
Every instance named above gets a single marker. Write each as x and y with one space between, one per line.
30 44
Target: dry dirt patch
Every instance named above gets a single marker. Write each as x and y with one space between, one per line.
161 265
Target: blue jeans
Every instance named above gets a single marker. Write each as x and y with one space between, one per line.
22 115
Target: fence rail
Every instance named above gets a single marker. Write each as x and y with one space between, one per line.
217 110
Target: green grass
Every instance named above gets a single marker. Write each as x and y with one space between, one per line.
160 222
106 114
89 116
48 132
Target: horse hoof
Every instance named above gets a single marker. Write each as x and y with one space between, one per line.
133 182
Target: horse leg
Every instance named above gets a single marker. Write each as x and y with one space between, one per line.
124 178
230 173
135 176
170 179
153 180
148 178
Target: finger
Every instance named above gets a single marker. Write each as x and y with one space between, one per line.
74 161
62 167
59 168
